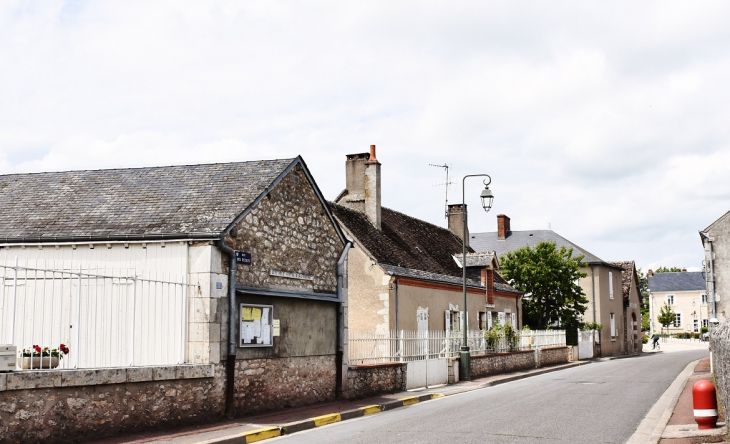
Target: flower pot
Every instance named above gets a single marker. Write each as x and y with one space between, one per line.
37 362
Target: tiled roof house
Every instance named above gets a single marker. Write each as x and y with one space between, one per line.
402 271
602 285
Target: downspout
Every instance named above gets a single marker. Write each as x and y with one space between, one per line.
339 360
593 292
231 359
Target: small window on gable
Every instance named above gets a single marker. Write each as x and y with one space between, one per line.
670 299
704 299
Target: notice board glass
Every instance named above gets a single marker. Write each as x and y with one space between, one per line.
256 325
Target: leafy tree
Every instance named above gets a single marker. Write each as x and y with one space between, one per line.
666 315
644 294
668 270
549 277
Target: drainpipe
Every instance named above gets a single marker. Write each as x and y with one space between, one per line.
231 359
339 360
593 291
712 273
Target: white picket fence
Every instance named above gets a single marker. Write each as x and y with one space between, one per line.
106 317
406 346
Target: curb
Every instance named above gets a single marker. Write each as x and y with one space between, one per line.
318 421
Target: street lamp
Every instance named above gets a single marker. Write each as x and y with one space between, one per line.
487 198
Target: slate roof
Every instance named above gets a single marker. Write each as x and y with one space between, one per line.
410 247
678 281
488 241
476 259
188 200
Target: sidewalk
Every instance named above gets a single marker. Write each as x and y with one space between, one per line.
671 419
255 428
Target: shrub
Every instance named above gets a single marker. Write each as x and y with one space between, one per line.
644 339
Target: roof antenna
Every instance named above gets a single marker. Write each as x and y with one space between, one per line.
446 167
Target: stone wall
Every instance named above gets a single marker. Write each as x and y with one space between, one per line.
497 363
272 384
720 348
370 380
554 355
63 406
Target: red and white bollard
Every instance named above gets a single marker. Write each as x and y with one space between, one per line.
704 400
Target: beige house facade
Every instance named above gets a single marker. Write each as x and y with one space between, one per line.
602 285
685 293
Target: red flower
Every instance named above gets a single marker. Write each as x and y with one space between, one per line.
37 348
63 348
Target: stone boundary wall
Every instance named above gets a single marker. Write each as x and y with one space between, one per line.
64 406
370 380
497 363
554 355
273 384
720 352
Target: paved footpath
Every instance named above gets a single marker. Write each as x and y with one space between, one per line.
670 420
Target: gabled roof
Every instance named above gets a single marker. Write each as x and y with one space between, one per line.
678 281
489 241
717 222
410 247
186 201
486 259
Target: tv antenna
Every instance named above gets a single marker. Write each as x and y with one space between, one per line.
446 184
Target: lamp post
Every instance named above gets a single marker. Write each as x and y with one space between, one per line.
486 197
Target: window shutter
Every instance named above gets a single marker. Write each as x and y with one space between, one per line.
514 319
613 325
447 321
610 285
461 320
489 320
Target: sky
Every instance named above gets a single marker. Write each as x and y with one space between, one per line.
605 121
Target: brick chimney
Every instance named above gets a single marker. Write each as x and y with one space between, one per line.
650 273
684 270
372 188
457 213
503 228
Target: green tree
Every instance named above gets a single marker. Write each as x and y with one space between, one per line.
666 315
644 294
549 277
668 270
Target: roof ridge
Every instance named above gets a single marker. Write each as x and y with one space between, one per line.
150 167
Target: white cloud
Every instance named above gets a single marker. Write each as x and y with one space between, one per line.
608 121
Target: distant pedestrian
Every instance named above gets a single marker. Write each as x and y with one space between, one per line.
655 341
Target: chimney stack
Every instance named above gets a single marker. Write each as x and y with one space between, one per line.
650 273
362 182
684 270
372 188
503 228
457 214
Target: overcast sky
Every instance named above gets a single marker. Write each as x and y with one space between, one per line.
607 121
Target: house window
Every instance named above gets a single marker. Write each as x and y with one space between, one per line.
677 320
705 323
452 320
501 317
610 285
704 299
696 326
513 317
482 320
670 299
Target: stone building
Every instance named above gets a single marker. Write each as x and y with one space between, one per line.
254 323
632 306
602 285
405 273
716 243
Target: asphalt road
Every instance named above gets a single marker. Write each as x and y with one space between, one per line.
602 402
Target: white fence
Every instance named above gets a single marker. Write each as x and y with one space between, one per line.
106 317
407 346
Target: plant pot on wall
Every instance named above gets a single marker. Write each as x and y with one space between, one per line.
38 363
